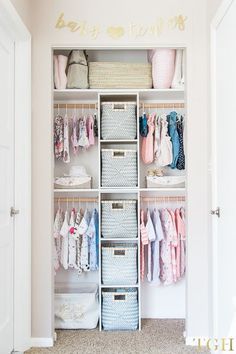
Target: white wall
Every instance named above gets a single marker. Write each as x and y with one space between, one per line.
24 9
106 13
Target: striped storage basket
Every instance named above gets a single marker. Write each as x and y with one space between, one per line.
119 120
119 168
120 309
119 264
119 218
116 75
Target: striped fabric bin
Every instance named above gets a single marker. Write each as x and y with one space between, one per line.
119 168
119 264
119 219
120 309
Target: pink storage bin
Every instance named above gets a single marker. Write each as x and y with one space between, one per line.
163 67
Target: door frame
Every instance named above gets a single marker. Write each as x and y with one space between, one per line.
11 22
219 16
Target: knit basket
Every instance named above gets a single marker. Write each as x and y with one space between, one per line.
119 120
113 75
119 168
119 264
120 309
119 218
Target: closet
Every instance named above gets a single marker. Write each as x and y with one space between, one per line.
106 179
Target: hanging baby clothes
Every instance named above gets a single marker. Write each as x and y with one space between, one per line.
57 238
165 153
174 245
181 158
82 229
166 260
151 239
66 151
64 242
144 242
58 137
91 233
78 239
182 231
83 139
74 139
95 126
72 242
156 247
90 130
147 142
143 126
173 133
157 139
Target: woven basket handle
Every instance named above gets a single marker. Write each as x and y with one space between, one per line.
119 252
119 297
118 107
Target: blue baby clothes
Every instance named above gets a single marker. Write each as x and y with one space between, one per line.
174 135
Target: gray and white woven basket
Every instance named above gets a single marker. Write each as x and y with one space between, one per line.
119 218
119 168
119 264
120 309
118 120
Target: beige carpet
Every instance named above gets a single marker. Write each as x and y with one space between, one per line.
156 337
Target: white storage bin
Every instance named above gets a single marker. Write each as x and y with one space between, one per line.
73 182
119 168
119 264
77 308
165 182
119 218
120 309
119 120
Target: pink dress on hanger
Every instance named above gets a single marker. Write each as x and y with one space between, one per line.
147 151
174 246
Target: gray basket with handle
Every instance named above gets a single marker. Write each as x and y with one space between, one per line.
119 219
120 309
119 168
119 264
119 120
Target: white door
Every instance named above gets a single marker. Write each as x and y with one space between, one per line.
224 172
6 191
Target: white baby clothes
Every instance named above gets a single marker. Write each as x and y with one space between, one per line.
74 139
78 239
65 242
82 229
151 238
91 233
72 242
83 138
165 156
57 238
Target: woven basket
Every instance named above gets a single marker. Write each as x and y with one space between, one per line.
120 309
119 264
119 120
119 218
119 168
120 75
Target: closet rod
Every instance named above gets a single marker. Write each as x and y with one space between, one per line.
161 105
75 105
76 200
163 199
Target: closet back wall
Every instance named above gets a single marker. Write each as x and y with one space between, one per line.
101 13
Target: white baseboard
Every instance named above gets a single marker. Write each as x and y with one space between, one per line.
41 342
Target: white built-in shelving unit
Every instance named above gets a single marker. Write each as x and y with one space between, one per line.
92 161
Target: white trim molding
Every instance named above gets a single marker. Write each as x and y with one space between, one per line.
41 342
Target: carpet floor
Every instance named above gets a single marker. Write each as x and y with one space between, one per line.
156 337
